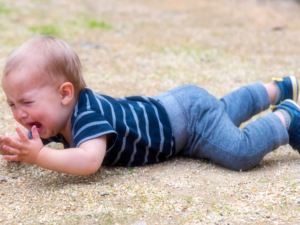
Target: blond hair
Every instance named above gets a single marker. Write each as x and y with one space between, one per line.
59 59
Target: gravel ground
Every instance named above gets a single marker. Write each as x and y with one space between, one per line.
135 47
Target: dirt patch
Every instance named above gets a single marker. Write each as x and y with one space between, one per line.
132 47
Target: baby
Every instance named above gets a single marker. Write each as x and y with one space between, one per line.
47 94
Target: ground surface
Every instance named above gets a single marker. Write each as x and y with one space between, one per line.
132 47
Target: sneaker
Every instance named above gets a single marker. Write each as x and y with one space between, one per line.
294 130
289 88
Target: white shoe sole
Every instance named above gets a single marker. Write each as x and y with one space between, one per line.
295 88
293 102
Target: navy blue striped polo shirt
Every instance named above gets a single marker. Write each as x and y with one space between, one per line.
140 128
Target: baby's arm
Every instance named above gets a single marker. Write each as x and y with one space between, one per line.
84 160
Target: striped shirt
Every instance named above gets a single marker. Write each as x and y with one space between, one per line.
140 128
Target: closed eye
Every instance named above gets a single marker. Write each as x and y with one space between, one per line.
26 103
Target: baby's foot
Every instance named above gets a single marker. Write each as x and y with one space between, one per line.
287 88
291 111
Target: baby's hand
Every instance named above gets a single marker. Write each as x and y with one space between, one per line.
25 151
15 136
2 151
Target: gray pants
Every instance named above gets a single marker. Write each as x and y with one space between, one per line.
205 127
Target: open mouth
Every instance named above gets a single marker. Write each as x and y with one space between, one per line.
39 127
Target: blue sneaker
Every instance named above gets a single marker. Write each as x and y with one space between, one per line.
294 130
289 88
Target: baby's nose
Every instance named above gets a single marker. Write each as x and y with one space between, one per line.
22 114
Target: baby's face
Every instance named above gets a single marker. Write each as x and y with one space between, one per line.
34 100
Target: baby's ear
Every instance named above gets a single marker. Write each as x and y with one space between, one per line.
66 91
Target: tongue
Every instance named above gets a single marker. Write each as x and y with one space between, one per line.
39 128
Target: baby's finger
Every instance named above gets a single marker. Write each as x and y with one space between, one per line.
22 136
12 143
12 158
11 150
35 133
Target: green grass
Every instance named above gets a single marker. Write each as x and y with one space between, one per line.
100 25
4 10
45 30
294 184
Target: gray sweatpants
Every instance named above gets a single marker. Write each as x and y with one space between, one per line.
205 127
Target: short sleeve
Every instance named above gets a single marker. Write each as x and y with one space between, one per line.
91 124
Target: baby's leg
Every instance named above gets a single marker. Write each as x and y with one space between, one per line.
223 143
248 101
213 135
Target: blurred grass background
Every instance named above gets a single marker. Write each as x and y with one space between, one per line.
134 47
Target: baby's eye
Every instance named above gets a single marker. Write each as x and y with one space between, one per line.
26 103
11 105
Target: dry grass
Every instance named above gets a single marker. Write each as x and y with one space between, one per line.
133 47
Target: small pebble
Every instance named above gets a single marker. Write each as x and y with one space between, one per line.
298 202
2 179
153 178
140 223
14 176
221 214
102 193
